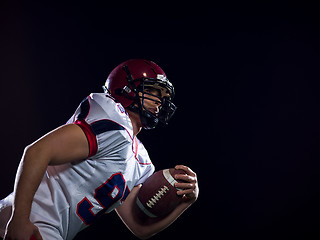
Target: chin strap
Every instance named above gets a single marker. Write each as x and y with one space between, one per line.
148 121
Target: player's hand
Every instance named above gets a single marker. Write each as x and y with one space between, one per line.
21 229
190 188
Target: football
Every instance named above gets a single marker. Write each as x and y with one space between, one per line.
158 196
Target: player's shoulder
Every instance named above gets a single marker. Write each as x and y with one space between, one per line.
103 106
102 99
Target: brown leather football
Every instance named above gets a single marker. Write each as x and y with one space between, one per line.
158 196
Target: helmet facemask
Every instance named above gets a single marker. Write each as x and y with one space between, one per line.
149 119
165 107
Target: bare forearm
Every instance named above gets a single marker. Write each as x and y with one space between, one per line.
141 225
28 178
153 226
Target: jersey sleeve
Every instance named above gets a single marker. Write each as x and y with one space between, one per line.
91 137
147 173
145 163
100 127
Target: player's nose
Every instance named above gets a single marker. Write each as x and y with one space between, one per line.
157 106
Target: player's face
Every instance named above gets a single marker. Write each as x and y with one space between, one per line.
151 99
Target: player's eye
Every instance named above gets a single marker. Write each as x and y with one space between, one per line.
153 92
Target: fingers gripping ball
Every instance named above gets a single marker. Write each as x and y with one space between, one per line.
158 196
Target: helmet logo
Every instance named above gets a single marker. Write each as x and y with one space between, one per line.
162 77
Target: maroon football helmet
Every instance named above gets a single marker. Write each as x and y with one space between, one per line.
134 76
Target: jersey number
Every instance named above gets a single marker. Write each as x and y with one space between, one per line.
106 195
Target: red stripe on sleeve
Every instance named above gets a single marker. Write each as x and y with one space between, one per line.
91 137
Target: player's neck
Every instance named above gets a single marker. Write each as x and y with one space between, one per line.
136 122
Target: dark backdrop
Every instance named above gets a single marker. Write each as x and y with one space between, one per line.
246 78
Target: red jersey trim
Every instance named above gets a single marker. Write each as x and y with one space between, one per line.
91 137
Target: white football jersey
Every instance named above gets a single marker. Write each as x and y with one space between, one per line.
72 196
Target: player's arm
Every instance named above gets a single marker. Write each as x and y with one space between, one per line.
130 216
63 145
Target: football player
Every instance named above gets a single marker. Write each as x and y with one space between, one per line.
95 163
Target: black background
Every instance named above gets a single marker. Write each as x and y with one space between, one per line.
246 78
